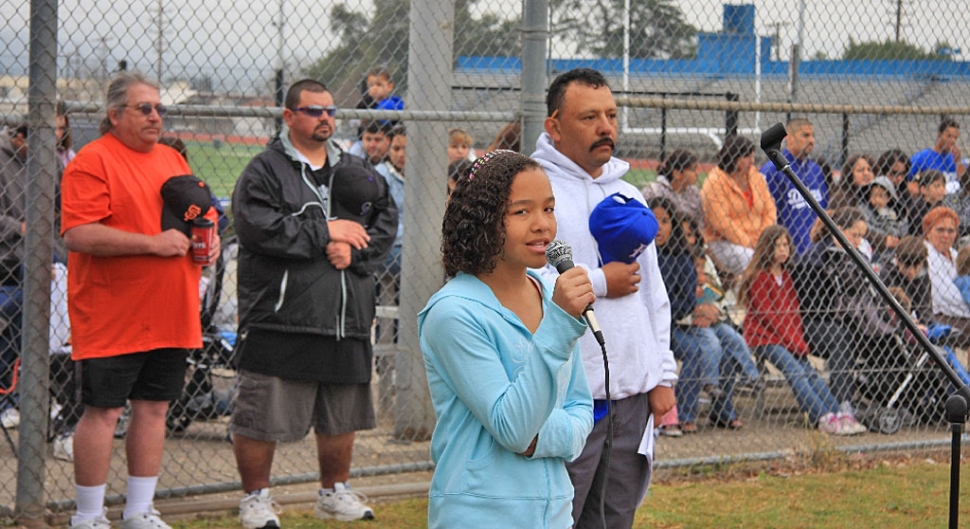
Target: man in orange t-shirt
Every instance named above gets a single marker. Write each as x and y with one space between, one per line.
133 296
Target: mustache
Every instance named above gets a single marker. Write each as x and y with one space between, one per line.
603 141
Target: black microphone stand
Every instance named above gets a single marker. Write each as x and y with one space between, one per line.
956 405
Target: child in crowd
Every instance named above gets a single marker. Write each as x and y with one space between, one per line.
886 224
907 270
708 362
393 171
932 191
459 145
456 170
773 328
377 92
501 350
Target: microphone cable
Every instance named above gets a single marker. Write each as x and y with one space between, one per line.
609 434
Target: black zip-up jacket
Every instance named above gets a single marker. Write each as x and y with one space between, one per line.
286 282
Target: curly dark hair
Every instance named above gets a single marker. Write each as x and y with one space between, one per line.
473 229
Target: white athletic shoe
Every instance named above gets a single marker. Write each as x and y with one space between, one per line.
64 447
145 520
258 511
10 418
101 522
343 504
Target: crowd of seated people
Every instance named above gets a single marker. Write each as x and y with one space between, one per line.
905 215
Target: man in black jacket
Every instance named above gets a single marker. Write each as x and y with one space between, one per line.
314 223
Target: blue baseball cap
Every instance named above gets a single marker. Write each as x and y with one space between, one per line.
623 227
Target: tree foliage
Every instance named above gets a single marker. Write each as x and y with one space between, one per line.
658 29
382 40
890 50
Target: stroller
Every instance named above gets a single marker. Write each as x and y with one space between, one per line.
210 378
898 384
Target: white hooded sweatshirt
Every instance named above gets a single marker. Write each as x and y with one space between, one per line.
636 327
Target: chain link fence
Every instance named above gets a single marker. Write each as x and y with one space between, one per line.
472 74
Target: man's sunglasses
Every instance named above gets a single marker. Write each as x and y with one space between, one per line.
146 109
315 111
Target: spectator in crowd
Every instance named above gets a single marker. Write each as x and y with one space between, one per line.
459 145
940 228
887 224
695 340
894 165
932 190
794 213
392 169
373 142
13 227
576 150
62 130
737 205
944 156
456 170
854 183
305 356
508 138
773 329
130 337
841 313
515 384
677 181
907 270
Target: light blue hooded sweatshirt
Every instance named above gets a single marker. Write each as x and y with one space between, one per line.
494 386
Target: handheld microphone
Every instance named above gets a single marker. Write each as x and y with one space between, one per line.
560 255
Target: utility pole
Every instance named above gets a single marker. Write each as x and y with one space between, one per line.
899 18
160 42
776 38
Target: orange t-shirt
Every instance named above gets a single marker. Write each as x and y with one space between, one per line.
126 304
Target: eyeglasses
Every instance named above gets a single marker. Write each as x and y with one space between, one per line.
146 109
315 111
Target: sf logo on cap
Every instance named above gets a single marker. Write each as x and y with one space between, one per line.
191 213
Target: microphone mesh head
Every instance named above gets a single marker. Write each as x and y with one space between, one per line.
557 252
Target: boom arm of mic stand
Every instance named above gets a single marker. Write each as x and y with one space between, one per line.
781 163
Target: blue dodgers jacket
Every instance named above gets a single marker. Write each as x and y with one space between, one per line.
495 385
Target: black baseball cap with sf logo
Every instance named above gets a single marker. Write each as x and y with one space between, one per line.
186 198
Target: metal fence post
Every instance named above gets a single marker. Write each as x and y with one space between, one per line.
535 35
430 64
41 170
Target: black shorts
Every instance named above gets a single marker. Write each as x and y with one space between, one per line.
157 375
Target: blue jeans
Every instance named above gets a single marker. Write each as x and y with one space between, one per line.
810 391
736 352
700 351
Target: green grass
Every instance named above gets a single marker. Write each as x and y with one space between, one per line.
888 494
220 167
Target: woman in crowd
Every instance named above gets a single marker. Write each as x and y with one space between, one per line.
940 228
773 328
737 206
856 177
501 349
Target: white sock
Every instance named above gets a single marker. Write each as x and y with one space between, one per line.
90 502
141 491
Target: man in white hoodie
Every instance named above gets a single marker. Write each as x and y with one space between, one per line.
576 150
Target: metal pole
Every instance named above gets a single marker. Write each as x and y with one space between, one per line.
731 116
535 35
41 178
429 76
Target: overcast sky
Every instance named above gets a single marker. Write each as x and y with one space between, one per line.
237 43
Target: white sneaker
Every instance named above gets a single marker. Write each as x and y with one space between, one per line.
64 447
10 418
829 424
342 504
55 410
101 522
258 511
145 520
848 425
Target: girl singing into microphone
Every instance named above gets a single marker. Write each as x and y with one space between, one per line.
501 350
